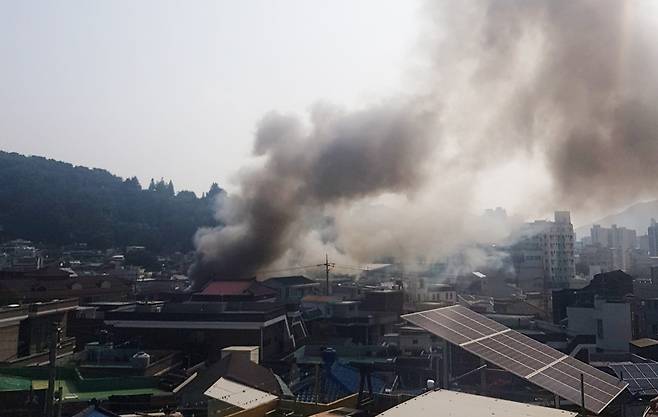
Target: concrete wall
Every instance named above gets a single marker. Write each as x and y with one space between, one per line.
610 322
581 320
617 327
422 341
9 342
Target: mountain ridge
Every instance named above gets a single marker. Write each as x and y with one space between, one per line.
637 217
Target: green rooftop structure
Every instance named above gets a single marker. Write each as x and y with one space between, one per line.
75 388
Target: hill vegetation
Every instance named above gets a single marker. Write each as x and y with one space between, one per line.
57 203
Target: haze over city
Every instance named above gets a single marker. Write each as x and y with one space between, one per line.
310 208
104 84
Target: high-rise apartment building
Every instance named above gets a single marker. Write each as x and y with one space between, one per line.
545 252
621 240
652 234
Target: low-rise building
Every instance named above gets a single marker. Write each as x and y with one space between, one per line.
328 317
204 327
21 255
59 283
610 322
425 290
235 290
611 286
25 331
292 289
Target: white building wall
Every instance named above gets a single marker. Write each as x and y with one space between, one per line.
555 242
609 322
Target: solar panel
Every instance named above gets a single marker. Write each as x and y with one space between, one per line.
642 378
520 355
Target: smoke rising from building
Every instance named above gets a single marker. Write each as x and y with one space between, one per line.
568 85
342 157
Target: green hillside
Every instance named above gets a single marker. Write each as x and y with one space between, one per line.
57 203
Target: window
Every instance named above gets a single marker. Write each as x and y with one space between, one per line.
599 328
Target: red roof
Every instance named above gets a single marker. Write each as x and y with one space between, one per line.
227 287
239 287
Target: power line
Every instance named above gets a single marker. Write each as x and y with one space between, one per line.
327 266
287 269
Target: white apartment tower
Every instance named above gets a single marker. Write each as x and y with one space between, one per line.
620 239
551 243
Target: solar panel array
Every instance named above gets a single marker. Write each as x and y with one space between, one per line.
520 355
642 378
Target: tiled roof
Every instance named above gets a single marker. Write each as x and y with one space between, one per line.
235 288
227 287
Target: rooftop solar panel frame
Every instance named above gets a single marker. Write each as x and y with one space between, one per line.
642 378
527 358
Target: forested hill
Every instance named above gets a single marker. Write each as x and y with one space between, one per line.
57 203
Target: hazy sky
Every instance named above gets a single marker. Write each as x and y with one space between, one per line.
174 88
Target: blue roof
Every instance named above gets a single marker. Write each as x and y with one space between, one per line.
342 380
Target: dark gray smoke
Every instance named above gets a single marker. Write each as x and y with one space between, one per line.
570 84
339 158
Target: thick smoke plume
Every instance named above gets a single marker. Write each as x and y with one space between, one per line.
342 157
569 88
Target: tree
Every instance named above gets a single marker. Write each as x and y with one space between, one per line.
133 183
57 203
161 187
214 191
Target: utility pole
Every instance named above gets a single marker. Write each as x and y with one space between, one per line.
52 370
583 410
60 397
327 267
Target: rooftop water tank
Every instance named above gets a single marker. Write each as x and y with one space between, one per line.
141 360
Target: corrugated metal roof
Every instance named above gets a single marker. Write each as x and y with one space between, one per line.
238 395
459 404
